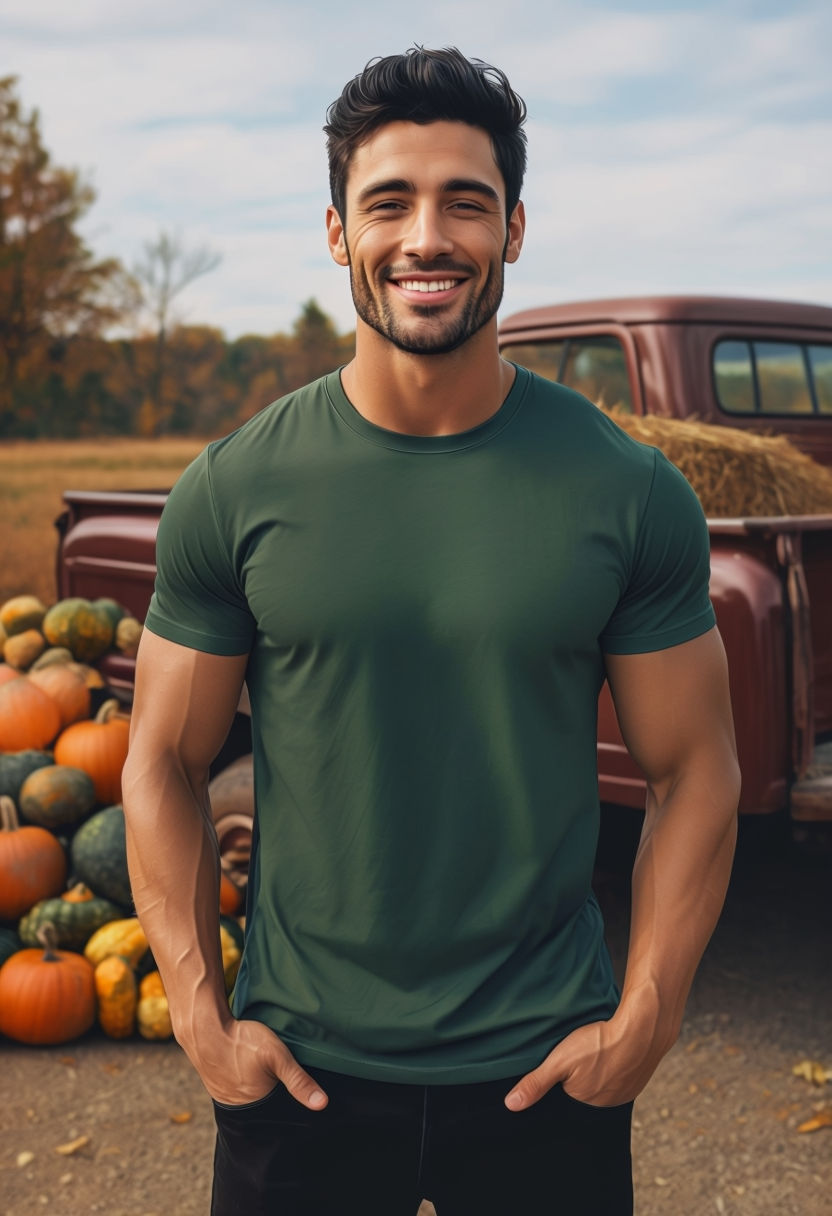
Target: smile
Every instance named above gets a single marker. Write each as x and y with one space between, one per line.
427 285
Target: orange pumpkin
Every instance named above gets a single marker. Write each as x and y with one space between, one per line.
99 748
29 718
32 864
231 897
8 673
46 996
67 689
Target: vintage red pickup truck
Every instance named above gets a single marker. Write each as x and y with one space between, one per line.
746 363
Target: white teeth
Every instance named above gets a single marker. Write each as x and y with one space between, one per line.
427 285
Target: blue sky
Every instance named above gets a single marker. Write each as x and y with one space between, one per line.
672 147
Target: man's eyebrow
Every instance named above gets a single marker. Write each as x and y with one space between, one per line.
456 185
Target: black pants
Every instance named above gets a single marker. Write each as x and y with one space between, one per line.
379 1148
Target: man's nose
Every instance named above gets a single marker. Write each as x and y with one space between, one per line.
427 234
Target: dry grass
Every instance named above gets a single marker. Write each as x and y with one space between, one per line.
33 476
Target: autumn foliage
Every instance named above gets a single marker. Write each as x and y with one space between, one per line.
63 373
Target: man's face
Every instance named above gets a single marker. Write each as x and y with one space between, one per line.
426 234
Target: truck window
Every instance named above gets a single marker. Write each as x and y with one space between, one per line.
597 367
545 358
734 377
782 378
757 377
820 360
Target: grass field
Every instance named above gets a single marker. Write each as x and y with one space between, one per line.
33 477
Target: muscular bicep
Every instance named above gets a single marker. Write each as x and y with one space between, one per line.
674 708
184 702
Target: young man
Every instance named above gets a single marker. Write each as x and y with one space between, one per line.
423 567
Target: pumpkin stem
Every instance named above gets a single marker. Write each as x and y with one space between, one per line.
48 938
9 821
108 710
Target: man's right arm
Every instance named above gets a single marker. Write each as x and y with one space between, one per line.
183 708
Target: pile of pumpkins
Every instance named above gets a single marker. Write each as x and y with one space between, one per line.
72 952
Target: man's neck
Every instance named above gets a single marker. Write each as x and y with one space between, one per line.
427 394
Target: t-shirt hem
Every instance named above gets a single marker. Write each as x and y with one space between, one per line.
417 1074
665 638
193 639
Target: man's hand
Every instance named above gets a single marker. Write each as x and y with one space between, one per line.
602 1063
243 1062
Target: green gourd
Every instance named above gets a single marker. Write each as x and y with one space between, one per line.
98 855
75 915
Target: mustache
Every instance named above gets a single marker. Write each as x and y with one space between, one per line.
446 266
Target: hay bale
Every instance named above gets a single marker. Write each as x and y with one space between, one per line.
735 472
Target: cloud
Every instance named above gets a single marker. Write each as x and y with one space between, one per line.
670 149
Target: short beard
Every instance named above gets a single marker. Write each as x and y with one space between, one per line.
378 316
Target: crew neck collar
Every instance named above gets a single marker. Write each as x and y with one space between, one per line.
401 442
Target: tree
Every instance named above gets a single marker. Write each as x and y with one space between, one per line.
51 285
166 269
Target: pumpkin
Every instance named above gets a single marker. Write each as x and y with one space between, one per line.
112 609
116 997
75 916
22 649
28 717
32 864
46 995
8 673
15 767
231 897
53 655
126 938
77 624
56 795
99 855
98 747
67 688
20 613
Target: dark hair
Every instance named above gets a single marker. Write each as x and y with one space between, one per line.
427 86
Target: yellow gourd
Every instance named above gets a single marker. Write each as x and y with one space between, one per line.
152 1013
122 937
115 990
230 958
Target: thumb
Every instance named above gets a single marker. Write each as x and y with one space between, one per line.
531 1088
301 1086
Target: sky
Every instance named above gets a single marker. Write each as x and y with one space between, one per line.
673 147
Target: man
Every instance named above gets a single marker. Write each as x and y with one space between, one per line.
423 567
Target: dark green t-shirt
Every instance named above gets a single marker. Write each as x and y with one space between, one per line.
426 619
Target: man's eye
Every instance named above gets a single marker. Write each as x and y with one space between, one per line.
465 204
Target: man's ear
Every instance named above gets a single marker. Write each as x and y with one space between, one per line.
516 231
335 237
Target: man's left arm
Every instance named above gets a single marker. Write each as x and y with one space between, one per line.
674 711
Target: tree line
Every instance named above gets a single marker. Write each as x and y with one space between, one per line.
62 372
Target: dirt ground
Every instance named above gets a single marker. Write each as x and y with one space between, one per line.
126 1129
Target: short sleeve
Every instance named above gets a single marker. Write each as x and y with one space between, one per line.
666 599
197 600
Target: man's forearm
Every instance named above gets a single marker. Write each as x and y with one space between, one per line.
680 878
173 861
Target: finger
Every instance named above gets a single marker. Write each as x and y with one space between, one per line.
533 1086
300 1085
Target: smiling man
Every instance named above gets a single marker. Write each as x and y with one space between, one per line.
424 566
